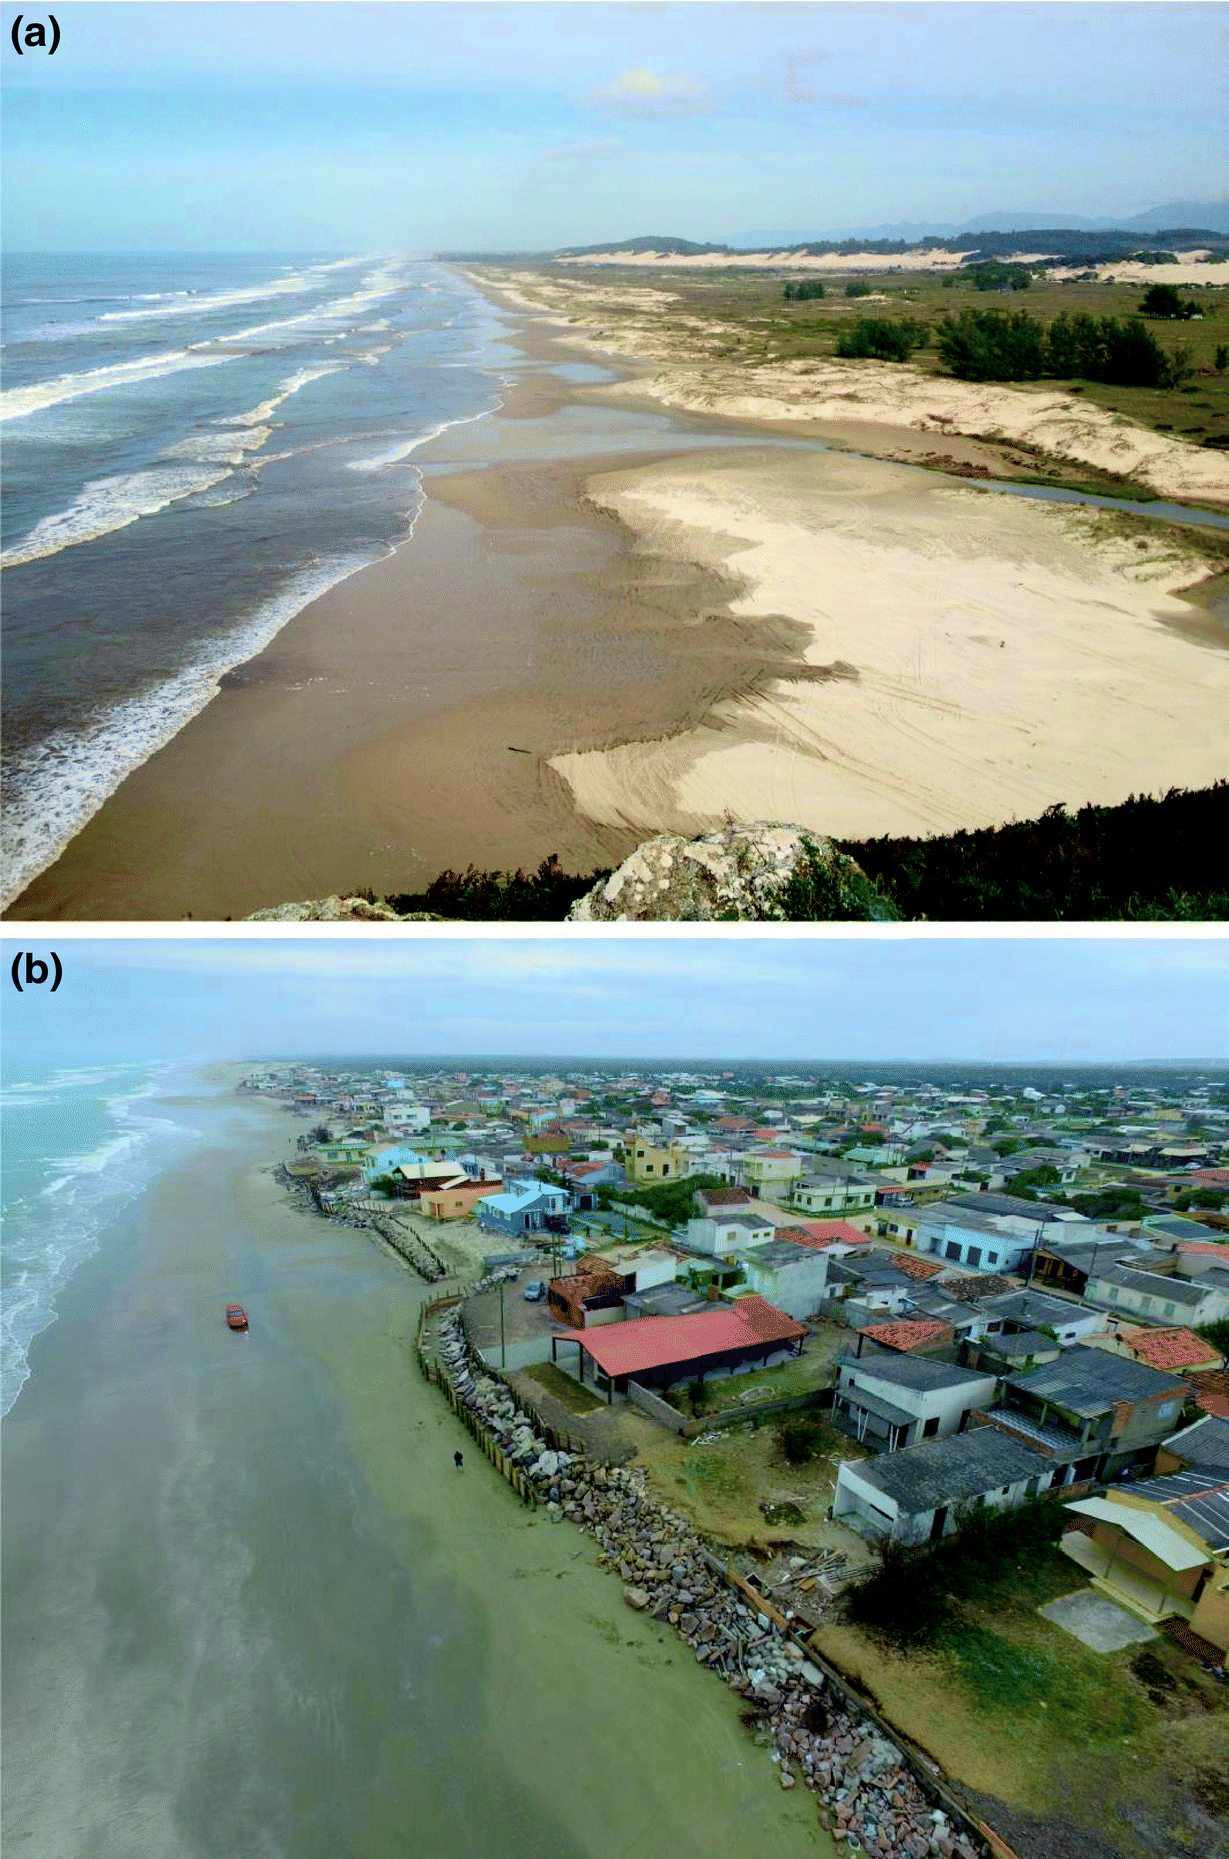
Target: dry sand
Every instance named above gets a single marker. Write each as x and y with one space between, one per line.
973 657
685 363
767 631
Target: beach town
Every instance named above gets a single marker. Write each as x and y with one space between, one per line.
765 1338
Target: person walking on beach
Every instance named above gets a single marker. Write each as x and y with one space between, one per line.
458 1461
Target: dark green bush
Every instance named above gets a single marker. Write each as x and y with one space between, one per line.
880 338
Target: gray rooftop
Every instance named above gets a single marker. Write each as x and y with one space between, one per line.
1029 1307
1202 1502
1205 1443
953 1471
921 1373
1153 1284
1015 1207
778 1252
1088 1382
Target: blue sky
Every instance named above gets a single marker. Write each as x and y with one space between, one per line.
406 127
806 998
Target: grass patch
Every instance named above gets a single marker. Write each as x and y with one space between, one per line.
1024 1672
565 1390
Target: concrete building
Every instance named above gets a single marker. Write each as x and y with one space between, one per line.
1161 1548
648 1162
792 1277
769 1174
916 1496
722 1235
889 1401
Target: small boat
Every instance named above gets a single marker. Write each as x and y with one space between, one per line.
236 1317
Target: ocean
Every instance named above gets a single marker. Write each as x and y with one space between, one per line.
81 1143
196 446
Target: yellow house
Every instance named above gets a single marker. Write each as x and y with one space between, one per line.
647 1162
1161 1549
770 1173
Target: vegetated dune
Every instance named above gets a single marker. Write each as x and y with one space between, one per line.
684 362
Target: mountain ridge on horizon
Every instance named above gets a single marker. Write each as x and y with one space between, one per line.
1195 215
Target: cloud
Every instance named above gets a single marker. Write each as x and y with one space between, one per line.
574 154
644 96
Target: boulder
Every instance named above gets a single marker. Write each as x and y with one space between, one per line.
735 874
636 1597
338 909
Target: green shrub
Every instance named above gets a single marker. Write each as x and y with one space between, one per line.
858 289
880 338
831 890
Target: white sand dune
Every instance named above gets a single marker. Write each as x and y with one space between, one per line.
988 655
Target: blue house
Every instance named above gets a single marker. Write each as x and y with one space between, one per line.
384 1161
524 1206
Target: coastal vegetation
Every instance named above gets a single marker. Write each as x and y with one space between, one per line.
882 338
1149 860
747 315
991 345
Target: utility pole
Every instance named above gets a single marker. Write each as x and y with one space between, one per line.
503 1353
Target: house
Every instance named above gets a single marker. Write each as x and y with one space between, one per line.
987 1230
790 1276
657 1352
1010 1311
906 1335
1161 1548
1177 1349
524 1206
587 1297
917 1495
347 1152
1160 1297
770 1173
888 1401
1203 1446
721 1235
835 1237
456 1200
647 1162
1067 1263
833 1187
639 1268
1099 1413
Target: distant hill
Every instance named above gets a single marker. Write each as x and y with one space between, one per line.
1204 215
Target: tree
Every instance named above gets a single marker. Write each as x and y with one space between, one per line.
697 1394
1046 1177
1165 300
387 1185
876 338
321 1134
858 289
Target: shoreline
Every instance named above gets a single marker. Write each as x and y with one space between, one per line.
615 662
250 1556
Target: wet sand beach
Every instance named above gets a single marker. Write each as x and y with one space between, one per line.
612 620
251 1610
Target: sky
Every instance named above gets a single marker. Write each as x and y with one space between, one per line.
807 998
413 127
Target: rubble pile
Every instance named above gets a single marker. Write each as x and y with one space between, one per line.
867 1792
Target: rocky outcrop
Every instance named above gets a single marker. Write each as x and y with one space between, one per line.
867 1791
339 910
735 874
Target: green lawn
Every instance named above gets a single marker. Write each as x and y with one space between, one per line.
564 1388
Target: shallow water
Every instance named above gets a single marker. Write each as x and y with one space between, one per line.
251 1609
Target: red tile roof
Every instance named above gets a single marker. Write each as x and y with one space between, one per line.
1212 1392
823 1233
908 1333
1176 1348
722 1197
914 1265
1206 1246
644 1343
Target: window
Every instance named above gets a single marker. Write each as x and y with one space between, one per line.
974 1255
1169 1310
951 1250
992 1258
931 1428
1113 1293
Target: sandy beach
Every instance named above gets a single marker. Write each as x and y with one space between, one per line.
252 1612
617 616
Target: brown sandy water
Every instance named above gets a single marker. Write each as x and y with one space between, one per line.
250 1608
